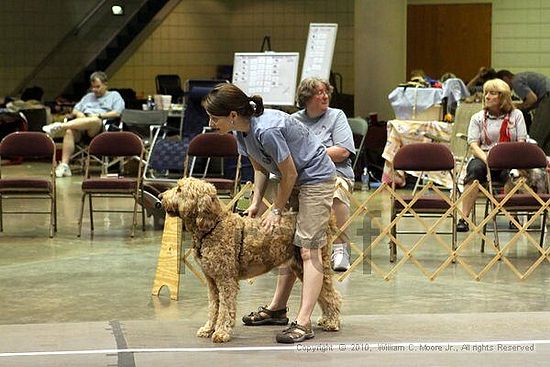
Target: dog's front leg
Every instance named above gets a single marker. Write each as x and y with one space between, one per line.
213 305
228 290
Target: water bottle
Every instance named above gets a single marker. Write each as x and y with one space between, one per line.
365 179
150 103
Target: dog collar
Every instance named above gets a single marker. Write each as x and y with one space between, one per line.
210 230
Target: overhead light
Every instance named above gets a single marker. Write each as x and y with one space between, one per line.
117 10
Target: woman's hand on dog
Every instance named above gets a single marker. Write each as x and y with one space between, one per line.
252 211
270 221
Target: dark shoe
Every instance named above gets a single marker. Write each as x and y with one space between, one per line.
295 333
462 226
265 316
512 225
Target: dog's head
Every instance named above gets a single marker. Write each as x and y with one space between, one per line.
534 178
195 202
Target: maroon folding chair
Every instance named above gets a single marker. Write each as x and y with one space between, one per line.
121 144
29 144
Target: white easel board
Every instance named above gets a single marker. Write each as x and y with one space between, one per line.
321 40
272 75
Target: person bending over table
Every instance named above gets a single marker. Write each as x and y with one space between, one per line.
87 118
498 122
534 91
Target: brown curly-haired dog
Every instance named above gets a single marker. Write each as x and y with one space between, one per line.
229 247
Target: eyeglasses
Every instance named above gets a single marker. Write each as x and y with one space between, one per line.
322 92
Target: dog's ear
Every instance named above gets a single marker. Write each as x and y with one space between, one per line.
189 198
208 211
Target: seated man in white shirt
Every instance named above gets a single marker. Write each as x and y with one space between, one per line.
88 115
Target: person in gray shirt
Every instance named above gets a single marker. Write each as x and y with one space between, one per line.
276 144
87 118
331 126
533 88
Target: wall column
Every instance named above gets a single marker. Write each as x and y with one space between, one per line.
380 54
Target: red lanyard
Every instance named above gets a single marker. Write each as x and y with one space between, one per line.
504 130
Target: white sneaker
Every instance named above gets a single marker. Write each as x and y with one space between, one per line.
340 257
63 170
54 130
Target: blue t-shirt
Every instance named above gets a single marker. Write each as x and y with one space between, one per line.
275 135
333 129
92 105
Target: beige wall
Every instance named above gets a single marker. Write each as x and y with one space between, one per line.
30 30
200 34
521 35
380 54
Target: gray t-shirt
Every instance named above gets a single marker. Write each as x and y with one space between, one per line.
527 81
92 105
274 136
333 129
516 126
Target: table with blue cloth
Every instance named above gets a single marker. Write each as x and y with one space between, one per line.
410 103
407 102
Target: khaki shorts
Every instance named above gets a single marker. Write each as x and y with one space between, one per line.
314 204
340 194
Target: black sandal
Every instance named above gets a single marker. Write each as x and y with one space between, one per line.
265 316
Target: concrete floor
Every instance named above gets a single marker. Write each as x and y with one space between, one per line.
87 301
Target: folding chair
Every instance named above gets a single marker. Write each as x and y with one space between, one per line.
36 118
195 117
213 145
464 113
423 157
359 129
169 84
143 123
29 144
113 145
80 152
523 156
166 156
457 142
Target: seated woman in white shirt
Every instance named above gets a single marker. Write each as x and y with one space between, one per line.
498 122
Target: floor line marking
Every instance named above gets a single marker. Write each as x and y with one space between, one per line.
294 347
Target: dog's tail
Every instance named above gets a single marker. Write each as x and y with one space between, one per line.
332 229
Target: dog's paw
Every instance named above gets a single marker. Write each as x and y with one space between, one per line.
205 332
221 336
321 321
329 324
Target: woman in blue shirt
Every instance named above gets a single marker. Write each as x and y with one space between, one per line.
276 144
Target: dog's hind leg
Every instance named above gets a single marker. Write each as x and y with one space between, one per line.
228 290
213 304
329 298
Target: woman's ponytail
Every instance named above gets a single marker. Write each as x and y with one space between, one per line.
257 104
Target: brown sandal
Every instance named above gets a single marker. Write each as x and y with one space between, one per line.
296 333
265 316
